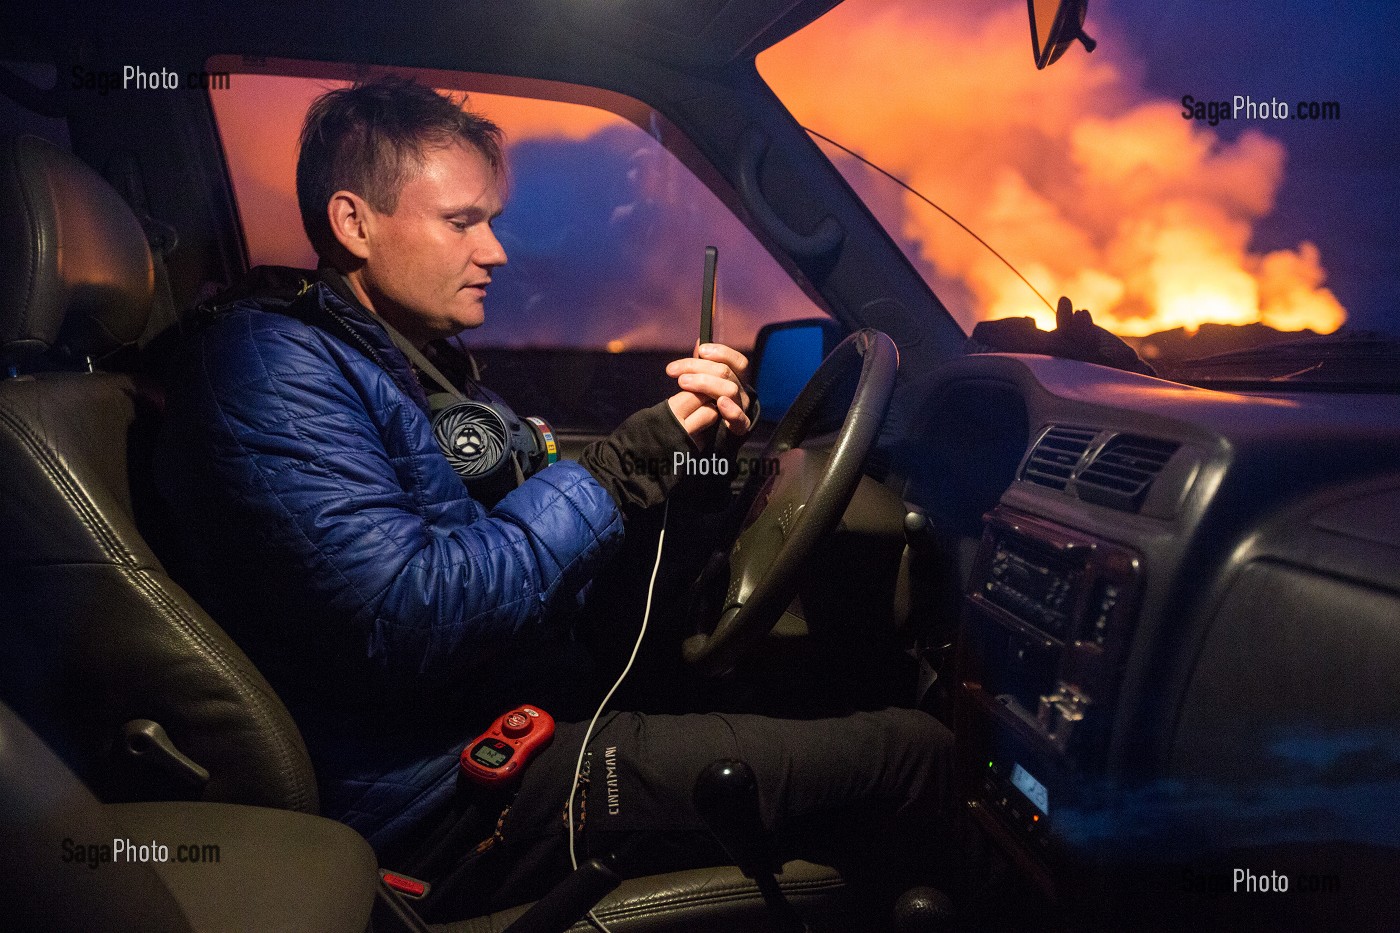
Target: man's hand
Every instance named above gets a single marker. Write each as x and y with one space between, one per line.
712 388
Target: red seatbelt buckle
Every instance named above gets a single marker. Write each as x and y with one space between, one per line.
408 887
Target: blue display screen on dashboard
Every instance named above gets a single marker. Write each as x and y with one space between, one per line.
1034 790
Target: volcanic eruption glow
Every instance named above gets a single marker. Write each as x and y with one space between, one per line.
1089 185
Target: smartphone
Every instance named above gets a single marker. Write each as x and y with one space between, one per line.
707 296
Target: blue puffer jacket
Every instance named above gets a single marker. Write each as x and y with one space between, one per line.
330 536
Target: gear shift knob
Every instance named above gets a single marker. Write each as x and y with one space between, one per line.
726 797
923 910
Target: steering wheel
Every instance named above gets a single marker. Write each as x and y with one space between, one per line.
795 499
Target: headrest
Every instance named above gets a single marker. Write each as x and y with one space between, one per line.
75 270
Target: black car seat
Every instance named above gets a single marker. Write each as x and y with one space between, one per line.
110 660
106 657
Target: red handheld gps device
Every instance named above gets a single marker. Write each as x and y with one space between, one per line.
500 754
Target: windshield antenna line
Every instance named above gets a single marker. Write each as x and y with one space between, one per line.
897 180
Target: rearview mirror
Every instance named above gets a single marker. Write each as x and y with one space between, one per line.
1054 25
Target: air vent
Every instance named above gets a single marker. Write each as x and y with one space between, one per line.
1055 455
1123 470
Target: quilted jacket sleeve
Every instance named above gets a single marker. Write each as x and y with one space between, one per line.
357 513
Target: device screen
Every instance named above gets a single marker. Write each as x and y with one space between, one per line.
491 754
1034 790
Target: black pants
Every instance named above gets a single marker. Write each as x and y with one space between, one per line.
863 793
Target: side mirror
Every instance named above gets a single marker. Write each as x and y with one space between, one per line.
1054 25
785 355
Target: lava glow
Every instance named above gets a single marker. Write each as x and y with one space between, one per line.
1091 187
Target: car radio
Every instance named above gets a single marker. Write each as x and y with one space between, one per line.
1046 627
1035 588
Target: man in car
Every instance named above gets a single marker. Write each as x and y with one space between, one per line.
396 615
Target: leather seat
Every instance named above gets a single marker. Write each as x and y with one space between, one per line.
97 634
268 869
112 663
704 900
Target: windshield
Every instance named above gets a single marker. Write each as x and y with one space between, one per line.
1128 179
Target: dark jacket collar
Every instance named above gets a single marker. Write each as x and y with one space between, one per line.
331 305
324 300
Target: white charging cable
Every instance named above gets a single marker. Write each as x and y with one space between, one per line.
588 733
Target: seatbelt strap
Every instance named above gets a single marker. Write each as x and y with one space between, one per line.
406 347
419 360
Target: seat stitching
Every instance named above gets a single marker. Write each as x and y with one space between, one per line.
733 893
123 559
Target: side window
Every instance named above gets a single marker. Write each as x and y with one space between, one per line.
605 230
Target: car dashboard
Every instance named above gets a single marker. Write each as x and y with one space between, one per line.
1179 622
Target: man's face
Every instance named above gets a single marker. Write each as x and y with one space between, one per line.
429 262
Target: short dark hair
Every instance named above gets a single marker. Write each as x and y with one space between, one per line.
370 139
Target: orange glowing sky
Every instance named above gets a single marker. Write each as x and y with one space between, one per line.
1089 185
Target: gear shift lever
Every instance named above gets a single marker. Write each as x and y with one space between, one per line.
726 797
